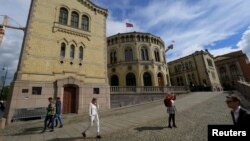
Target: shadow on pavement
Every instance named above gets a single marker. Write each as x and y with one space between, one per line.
149 128
73 139
28 131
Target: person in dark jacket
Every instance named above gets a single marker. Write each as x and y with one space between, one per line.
58 116
240 116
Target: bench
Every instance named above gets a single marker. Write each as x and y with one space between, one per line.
25 113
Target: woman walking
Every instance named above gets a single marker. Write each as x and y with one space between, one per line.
93 113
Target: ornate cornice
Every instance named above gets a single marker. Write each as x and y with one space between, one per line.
70 30
94 7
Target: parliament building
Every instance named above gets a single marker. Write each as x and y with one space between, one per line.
63 55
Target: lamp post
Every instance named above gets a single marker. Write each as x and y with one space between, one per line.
4 79
171 46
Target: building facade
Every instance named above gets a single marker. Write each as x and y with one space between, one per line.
197 71
137 59
232 67
63 55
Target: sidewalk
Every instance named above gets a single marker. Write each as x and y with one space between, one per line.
124 122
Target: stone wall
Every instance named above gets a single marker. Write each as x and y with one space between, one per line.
244 88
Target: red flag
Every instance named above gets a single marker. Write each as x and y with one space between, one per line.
129 25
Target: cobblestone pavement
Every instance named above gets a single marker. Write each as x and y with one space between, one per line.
145 122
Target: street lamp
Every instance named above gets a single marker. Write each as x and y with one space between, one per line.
4 79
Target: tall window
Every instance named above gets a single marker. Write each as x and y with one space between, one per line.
85 23
210 63
147 79
223 73
233 70
157 56
130 79
164 57
128 54
144 54
63 48
72 51
63 17
80 53
113 58
114 80
74 19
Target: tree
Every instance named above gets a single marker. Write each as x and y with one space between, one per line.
4 95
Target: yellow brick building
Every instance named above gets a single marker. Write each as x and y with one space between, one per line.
137 59
197 70
63 55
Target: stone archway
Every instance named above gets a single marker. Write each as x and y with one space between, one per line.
68 90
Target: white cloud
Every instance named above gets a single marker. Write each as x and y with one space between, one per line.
115 27
192 25
222 51
244 43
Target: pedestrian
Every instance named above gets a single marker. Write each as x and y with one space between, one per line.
93 114
240 116
58 116
50 115
169 102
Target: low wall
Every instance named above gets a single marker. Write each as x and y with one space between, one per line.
120 100
244 88
124 96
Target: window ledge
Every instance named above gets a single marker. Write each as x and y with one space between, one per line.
70 30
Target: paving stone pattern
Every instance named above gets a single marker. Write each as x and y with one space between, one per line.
144 122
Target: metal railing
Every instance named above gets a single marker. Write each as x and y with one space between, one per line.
147 89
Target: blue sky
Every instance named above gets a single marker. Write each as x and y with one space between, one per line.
221 26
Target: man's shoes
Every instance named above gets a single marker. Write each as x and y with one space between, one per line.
169 126
98 137
60 126
174 126
83 134
52 130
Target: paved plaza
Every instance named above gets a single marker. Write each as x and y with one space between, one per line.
144 122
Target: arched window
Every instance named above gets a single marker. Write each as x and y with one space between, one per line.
144 53
128 54
74 19
147 79
178 81
63 17
114 80
113 57
85 23
157 57
72 51
80 53
130 79
63 49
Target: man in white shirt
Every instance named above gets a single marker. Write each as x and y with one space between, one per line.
240 116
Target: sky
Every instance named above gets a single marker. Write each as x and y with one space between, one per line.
221 26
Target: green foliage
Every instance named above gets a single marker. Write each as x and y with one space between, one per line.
4 93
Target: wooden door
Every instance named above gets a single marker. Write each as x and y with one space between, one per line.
69 100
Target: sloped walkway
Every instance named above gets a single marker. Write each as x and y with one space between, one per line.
136 123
